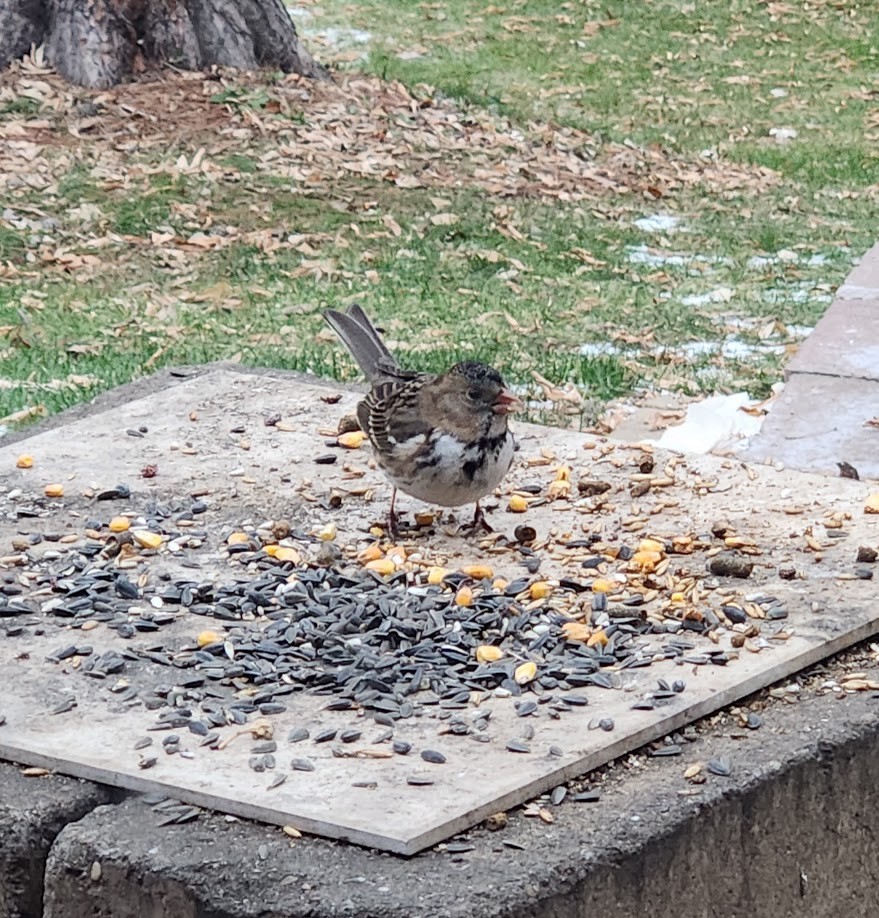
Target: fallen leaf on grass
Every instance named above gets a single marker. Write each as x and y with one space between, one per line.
25 414
567 393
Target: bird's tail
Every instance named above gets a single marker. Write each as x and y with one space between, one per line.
359 335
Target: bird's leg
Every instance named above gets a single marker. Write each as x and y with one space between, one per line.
393 522
479 521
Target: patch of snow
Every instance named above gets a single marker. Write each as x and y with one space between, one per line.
738 321
337 37
800 331
786 296
658 223
641 255
598 349
762 261
736 349
817 259
782 134
731 349
300 12
714 423
719 295
795 296
778 93
696 348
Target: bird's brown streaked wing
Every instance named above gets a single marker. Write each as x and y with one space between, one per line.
389 414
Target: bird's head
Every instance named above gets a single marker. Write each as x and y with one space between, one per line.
475 391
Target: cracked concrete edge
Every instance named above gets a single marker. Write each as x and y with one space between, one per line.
32 813
843 343
156 382
863 281
788 835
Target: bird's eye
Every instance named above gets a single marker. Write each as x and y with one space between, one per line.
473 394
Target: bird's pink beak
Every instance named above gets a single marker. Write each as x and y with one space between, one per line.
506 402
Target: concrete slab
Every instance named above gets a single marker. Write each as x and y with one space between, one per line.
832 387
790 834
845 343
32 813
863 282
206 436
818 422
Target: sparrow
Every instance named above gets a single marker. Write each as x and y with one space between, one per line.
441 438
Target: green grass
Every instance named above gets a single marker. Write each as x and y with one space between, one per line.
104 298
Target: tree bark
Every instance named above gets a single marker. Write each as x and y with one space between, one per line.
99 43
22 24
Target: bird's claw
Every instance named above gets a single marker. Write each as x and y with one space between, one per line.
479 522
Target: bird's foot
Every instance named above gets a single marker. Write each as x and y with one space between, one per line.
478 524
393 524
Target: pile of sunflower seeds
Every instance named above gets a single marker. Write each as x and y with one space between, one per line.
369 642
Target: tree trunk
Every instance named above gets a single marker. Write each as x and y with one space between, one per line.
22 23
99 43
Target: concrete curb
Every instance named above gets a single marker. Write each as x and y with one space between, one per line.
790 836
32 813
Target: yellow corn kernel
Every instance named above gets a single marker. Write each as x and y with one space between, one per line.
352 440
237 538
597 638
478 571
525 673
383 566
575 631
147 539
370 553
646 560
25 462
464 596
518 504
207 637
677 597
488 653
327 533
499 584
283 554
436 575
651 545
54 490
601 585
540 590
561 487
119 524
